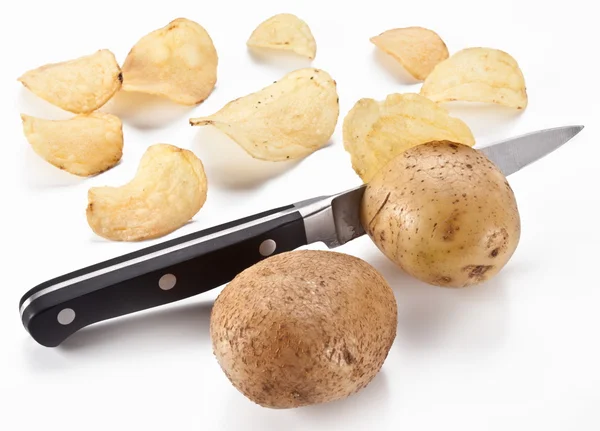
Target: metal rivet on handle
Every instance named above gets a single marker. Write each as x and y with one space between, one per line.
267 247
66 316
167 282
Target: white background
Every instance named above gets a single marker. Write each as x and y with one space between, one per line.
521 352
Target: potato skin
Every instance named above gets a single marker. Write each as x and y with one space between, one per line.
303 327
444 213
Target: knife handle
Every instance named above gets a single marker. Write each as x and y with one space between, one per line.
157 275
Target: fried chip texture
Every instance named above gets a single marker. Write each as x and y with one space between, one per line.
417 49
81 85
289 119
169 188
375 132
84 145
478 75
286 32
178 61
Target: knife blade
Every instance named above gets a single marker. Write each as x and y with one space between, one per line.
195 263
512 155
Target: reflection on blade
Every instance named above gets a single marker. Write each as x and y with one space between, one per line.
346 214
333 220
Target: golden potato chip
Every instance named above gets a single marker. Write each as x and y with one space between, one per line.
284 32
289 119
84 145
80 86
177 61
168 189
375 132
417 49
478 75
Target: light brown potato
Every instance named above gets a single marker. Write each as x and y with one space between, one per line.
303 327
444 213
168 189
285 32
178 61
483 75
375 132
289 119
417 49
81 85
84 145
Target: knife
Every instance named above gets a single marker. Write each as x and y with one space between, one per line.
195 263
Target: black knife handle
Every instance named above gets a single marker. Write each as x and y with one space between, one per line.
157 275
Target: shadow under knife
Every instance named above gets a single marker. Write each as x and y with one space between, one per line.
161 329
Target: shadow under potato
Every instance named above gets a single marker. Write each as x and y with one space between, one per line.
155 328
145 111
227 164
370 398
432 317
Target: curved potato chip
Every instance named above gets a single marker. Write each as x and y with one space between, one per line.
478 75
80 86
284 32
85 145
178 61
289 119
375 132
417 49
168 189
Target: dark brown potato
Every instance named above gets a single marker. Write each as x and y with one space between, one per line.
303 327
444 213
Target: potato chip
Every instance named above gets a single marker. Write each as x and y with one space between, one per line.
478 75
284 32
417 49
289 119
80 86
84 145
375 132
168 189
177 61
